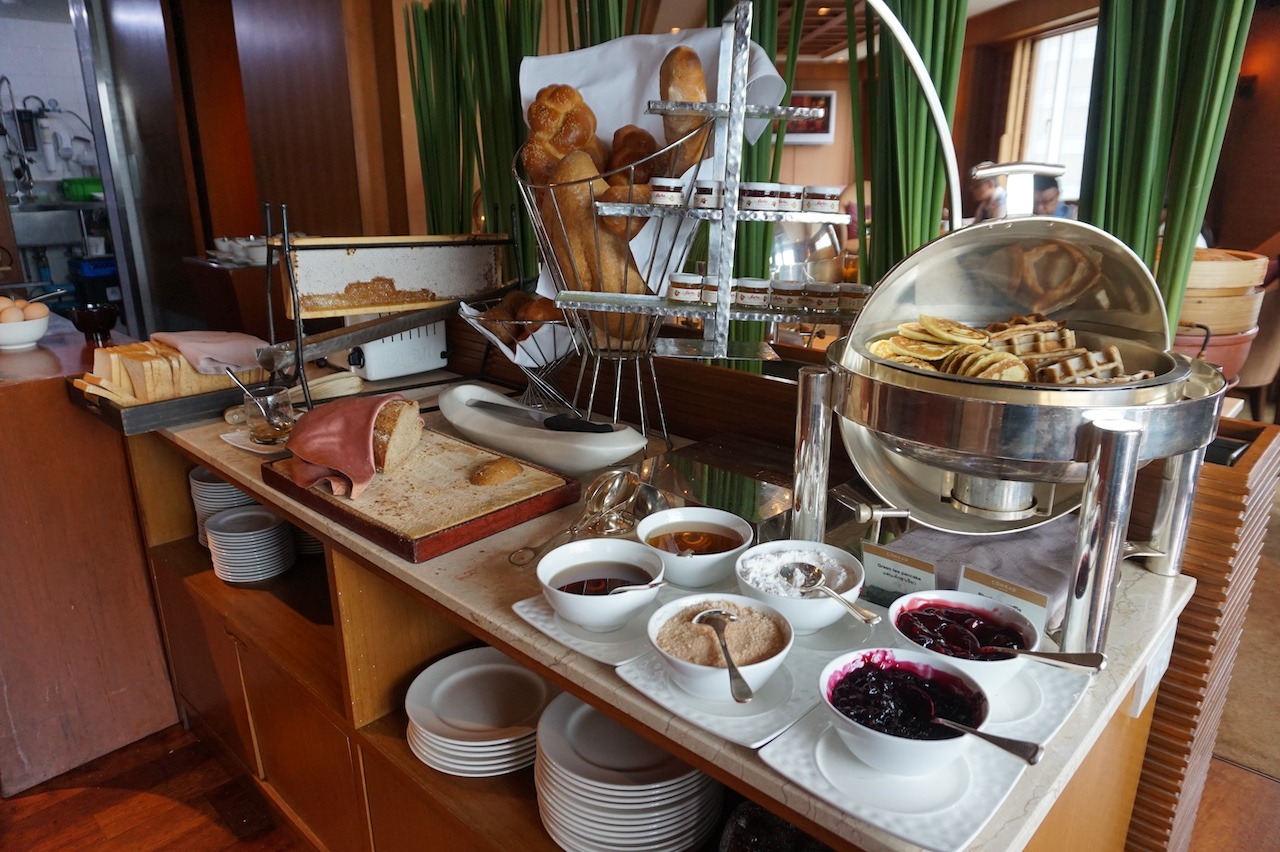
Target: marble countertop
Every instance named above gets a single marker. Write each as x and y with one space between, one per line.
478 585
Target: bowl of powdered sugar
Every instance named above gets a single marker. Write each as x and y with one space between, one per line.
761 573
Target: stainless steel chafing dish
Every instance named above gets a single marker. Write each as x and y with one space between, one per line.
982 457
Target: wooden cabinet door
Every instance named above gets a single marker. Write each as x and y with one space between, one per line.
307 759
206 668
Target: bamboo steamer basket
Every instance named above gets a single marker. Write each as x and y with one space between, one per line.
1223 314
1226 269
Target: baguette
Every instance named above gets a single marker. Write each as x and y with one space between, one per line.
681 79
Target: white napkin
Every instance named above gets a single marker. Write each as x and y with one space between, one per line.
548 343
1038 558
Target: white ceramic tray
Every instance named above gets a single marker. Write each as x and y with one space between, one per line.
613 648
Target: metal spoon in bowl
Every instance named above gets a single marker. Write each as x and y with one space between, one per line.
717 619
654 585
813 580
1087 662
921 707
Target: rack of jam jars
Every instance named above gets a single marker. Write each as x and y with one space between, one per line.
756 299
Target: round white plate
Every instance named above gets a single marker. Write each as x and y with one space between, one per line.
453 751
588 744
618 799
467 772
240 438
571 840
477 695
242 520
904 794
675 825
607 813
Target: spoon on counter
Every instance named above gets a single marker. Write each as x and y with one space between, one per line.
602 496
717 620
1088 662
920 705
813 580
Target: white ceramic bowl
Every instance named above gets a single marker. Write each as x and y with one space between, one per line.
712 682
887 752
696 571
817 610
583 560
991 674
17 336
256 251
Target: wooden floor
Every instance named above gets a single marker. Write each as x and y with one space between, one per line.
170 792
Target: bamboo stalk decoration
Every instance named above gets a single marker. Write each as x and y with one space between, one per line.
907 165
1164 76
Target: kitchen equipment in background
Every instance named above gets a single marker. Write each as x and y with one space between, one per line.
416 350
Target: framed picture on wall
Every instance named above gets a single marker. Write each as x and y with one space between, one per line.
813 131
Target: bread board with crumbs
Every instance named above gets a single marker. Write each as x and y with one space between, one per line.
428 506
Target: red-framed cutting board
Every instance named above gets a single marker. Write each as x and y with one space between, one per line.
428 506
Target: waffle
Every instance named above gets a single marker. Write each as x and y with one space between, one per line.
1106 364
1036 360
1029 342
1010 330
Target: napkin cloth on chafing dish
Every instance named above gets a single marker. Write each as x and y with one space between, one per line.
333 443
212 352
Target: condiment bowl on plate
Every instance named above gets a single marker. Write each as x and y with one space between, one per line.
940 622
759 571
698 545
880 702
17 336
758 641
576 579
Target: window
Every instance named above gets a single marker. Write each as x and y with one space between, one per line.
1057 110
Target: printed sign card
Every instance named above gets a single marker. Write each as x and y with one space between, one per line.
891 575
1034 605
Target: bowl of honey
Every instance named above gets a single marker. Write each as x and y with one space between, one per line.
698 545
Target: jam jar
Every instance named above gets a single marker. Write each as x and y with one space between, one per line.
789 197
822 297
822 199
751 293
786 295
666 192
758 196
684 288
707 194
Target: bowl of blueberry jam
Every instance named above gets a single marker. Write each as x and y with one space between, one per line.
882 702
969 630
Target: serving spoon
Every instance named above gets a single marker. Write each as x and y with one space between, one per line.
812 579
717 620
656 584
603 495
921 706
1088 662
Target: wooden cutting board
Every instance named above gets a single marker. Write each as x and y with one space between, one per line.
427 506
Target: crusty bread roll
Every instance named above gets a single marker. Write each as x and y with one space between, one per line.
559 122
496 472
627 226
396 432
568 214
681 79
634 145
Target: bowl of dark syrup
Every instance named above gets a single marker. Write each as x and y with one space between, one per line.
698 545
577 579
967 630
881 702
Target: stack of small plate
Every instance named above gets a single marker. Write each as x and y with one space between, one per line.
211 495
305 542
249 544
602 788
475 713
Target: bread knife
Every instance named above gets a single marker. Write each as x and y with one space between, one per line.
554 422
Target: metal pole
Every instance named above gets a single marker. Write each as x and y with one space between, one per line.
1104 515
1173 512
813 448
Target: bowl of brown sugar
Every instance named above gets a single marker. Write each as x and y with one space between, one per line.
759 639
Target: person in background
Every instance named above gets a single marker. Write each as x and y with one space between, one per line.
1049 198
990 196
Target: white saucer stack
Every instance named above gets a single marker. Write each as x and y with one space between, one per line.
249 544
211 495
475 713
602 788
305 542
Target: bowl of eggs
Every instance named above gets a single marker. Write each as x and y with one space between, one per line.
22 323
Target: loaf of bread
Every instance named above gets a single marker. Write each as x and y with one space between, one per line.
495 472
559 122
681 79
149 372
634 146
625 226
396 432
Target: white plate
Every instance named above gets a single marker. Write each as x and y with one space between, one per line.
672 826
478 695
784 698
569 452
1036 702
591 746
241 521
467 772
574 841
614 797
633 814
240 438
613 648
943 811
480 751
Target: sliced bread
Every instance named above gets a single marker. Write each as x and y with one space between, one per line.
396 432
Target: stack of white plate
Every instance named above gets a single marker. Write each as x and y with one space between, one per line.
249 544
475 713
305 542
602 788
211 495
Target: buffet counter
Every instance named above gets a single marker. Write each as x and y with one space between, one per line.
390 616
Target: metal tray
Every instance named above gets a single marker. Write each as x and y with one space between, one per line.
147 417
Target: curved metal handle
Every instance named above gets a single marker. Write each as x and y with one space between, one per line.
861 612
1084 661
738 686
1028 751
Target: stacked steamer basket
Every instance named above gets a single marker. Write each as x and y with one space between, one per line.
475 714
982 456
211 495
1219 316
249 544
602 788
